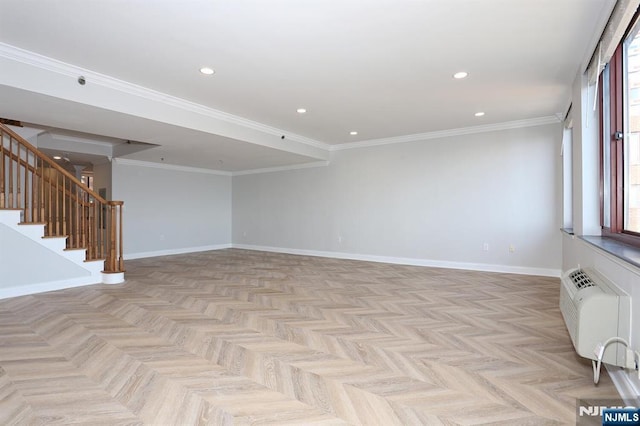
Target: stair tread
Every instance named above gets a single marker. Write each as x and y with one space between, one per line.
32 223
75 248
55 236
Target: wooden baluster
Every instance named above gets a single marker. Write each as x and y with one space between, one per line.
70 218
70 203
90 231
41 207
96 230
73 223
57 200
18 178
87 212
27 187
99 233
88 225
64 205
10 172
83 225
2 177
68 223
34 190
50 204
99 210
104 237
77 221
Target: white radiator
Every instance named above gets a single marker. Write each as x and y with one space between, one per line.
594 309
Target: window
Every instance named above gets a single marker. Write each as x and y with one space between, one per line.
620 135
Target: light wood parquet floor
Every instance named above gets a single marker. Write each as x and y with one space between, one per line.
246 337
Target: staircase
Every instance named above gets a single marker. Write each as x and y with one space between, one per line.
55 232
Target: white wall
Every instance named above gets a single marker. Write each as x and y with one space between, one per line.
17 254
428 202
169 211
102 178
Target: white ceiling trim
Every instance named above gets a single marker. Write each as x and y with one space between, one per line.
53 65
128 162
448 133
282 168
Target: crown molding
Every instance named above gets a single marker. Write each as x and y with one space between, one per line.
448 133
53 65
129 162
282 168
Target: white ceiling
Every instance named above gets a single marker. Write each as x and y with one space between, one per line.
381 67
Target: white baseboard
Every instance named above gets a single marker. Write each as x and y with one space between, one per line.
170 252
628 387
48 286
409 261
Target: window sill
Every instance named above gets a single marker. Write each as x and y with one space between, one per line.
622 251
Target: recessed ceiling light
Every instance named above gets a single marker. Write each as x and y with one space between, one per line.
460 75
479 114
207 70
353 133
301 110
57 157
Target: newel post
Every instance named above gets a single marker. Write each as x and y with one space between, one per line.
115 259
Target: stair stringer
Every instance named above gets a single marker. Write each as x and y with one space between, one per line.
35 232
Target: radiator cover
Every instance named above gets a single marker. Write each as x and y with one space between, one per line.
594 309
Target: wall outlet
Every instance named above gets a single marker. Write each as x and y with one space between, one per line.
339 239
512 248
485 247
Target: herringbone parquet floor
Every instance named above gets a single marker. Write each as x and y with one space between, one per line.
244 337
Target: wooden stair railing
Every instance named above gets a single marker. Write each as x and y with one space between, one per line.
48 194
